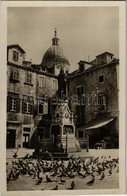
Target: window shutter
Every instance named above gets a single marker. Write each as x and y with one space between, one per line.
17 105
45 108
27 75
8 104
49 109
11 75
17 75
31 107
23 106
35 110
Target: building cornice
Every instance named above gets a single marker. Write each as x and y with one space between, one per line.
32 70
91 69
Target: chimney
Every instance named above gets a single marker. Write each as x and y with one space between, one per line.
104 58
84 65
81 66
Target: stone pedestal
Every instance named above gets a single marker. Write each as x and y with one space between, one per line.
63 129
70 143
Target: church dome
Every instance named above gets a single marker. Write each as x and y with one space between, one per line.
54 55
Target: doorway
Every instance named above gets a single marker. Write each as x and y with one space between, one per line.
11 136
26 140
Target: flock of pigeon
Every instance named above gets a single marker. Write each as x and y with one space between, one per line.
59 171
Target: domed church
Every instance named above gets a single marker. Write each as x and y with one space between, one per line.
54 58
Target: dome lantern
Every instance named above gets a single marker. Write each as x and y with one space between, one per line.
54 58
55 40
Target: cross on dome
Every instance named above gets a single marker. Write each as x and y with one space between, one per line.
55 32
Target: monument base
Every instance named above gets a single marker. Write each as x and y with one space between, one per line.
70 143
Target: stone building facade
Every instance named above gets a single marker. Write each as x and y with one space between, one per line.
28 92
31 119
91 114
93 94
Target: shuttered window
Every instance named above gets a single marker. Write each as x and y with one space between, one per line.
42 81
27 105
13 104
80 94
102 102
29 78
15 55
40 107
14 75
80 111
55 85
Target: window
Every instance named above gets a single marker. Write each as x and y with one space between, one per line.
42 81
102 102
40 107
27 105
14 75
13 104
15 55
29 78
80 94
101 79
55 85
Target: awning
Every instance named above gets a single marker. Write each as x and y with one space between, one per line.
96 124
101 124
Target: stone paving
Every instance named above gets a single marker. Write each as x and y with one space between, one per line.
26 182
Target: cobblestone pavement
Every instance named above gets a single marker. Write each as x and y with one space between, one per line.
26 182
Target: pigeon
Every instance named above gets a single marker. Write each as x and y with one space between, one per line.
53 174
39 181
15 155
55 188
72 185
90 183
110 172
62 180
92 175
102 176
48 179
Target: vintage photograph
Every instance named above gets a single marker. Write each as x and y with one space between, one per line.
62 105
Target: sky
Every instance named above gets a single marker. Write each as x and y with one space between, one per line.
83 31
